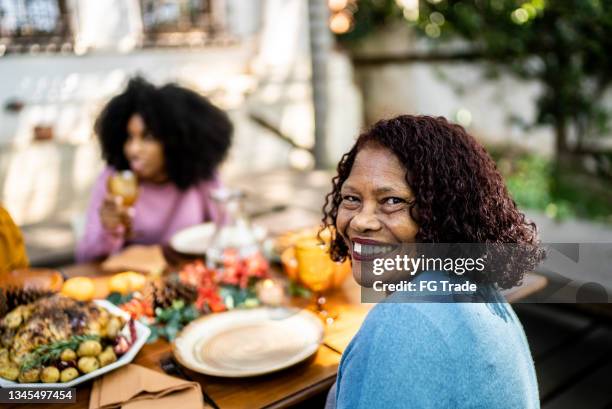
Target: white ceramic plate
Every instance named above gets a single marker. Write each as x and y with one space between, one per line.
193 240
242 343
142 333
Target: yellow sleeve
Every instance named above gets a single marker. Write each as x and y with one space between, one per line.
12 249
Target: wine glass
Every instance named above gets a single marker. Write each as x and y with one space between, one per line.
125 185
316 272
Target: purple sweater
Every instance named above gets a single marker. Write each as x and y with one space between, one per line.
160 211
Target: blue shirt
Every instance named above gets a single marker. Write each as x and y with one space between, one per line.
437 355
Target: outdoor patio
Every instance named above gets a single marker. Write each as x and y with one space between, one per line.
299 81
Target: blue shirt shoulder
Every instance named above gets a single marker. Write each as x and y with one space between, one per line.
438 355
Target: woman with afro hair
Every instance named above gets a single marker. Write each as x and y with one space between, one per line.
173 140
417 181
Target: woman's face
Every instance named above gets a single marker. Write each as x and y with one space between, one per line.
144 153
374 213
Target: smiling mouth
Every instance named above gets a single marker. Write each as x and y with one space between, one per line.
370 251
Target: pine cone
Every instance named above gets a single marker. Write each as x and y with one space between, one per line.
171 290
13 297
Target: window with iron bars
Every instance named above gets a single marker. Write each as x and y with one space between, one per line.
34 25
182 22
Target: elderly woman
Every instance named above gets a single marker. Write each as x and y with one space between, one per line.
419 179
173 139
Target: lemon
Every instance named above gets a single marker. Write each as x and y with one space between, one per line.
79 288
119 284
126 282
137 280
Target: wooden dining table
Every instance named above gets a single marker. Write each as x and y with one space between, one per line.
281 389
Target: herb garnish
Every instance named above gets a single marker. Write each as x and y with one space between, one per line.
43 354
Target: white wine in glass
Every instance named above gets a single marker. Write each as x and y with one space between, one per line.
124 184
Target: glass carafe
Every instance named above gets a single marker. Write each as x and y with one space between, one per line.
234 237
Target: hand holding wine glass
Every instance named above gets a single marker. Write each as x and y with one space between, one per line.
117 209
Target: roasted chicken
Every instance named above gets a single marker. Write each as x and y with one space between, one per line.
52 319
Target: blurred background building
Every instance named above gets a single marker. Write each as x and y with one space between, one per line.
61 60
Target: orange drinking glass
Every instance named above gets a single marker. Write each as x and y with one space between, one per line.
316 272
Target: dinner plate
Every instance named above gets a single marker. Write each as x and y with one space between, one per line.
243 343
142 334
193 240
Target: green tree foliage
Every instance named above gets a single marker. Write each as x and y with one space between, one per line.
565 45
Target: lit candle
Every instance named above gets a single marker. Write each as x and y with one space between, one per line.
271 292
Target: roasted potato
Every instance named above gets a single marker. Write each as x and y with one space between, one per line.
113 327
89 348
29 376
104 317
68 355
68 374
9 371
88 364
50 374
107 356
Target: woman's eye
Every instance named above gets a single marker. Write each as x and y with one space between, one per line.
394 201
348 199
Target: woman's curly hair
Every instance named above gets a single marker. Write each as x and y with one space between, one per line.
195 134
460 197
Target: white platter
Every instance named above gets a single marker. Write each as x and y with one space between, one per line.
142 334
243 343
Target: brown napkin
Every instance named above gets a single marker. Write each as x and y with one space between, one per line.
146 259
137 387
